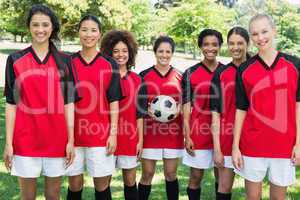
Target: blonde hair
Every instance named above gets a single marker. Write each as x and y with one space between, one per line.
262 16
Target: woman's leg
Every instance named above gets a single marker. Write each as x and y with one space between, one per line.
52 188
277 192
129 179
226 178
253 190
194 189
75 187
148 170
102 188
28 188
170 172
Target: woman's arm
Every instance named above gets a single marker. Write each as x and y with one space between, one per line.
114 118
140 129
189 144
236 153
69 116
215 129
296 149
10 117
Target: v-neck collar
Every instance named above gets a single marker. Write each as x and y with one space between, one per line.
265 65
126 75
207 69
233 65
161 75
84 62
37 59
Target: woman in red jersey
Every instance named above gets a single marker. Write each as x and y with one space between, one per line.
96 115
121 45
39 96
196 111
222 105
267 125
162 141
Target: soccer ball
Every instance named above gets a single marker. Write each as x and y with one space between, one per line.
164 108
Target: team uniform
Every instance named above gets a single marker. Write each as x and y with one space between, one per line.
269 96
131 108
39 89
223 101
99 86
162 140
196 85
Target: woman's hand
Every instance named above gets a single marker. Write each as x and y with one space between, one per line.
111 144
219 159
189 146
70 154
296 155
8 156
139 150
237 159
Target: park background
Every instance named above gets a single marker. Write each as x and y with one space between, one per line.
181 19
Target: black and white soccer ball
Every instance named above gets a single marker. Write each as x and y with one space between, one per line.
164 108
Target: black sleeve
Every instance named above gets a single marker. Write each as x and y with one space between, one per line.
114 91
296 61
242 101
187 93
142 101
71 93
10 91
216 99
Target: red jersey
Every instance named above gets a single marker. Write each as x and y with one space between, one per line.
196 89
131 107
223 101
157 134
268 94
99 85
39 89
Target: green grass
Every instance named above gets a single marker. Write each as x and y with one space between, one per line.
9 189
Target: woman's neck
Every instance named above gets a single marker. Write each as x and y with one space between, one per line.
238 62
41 49
268 56
211 64
89 53
163 69
123 70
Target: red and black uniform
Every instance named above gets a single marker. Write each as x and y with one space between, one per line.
157 134
99 85
196 85
131 108
268 94
223 101
39 89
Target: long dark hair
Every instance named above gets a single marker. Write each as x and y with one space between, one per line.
241 32
61 64
40 8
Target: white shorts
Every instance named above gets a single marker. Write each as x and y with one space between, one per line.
159 154
228 162
203 159
281 172
98 164
126 162
33 167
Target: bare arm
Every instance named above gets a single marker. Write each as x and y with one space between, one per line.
189 144
140 129
69 116
10 118
114 118
296 150
236 153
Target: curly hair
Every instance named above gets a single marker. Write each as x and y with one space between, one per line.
113 37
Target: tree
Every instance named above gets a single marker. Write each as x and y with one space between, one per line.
192 16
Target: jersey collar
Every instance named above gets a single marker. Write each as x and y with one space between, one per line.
37 59
207 69
84 62
161 75
265 65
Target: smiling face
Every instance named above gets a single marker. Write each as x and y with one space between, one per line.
210 47
121 54
40 28
237 47
164 54
89 34
262 34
